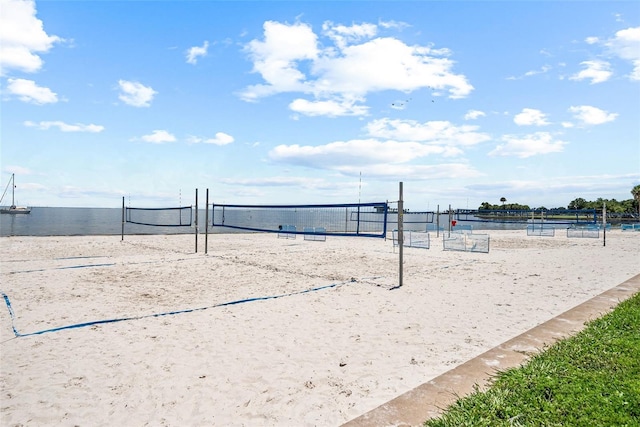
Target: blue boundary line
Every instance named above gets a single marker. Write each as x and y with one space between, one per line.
88 266
169 313
64 268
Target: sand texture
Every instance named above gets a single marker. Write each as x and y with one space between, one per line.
263 331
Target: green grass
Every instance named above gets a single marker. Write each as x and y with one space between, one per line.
590 379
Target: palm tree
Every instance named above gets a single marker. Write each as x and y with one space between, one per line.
636 195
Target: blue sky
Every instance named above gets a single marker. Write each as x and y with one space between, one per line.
278 102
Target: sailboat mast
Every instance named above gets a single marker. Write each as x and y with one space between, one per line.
13 189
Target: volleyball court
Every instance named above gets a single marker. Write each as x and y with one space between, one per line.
89 282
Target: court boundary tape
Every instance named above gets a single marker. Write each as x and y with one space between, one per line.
168 313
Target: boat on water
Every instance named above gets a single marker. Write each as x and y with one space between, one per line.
13 209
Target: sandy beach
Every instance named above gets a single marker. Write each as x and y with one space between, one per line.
262 331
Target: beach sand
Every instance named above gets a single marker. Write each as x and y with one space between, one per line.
267 331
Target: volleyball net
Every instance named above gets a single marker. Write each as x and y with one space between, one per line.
350 219
412 221
160 217
524 216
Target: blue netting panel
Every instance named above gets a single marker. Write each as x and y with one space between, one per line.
584 232
464 229
411 221
355 219
413 239
630 227
541 230
317 234
434 227
160 217
466 242
287 232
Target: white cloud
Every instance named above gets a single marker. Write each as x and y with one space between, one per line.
528 145
29 91
280 181
341 154
554 189
393 25
529 117
342 35
433 132
626 45
380 160
349 63
597 71
399 172
635 74
159 137
194 52
135 94
277 57
22 37
18 170
388 64
64 127
474 114
330 108
220 138
592 115
543 70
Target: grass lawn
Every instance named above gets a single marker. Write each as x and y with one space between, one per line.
590 379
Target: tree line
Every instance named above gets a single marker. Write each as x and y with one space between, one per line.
630 206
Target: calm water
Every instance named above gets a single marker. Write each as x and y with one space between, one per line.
76 221
108 221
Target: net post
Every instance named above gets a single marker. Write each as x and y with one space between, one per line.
196 222
400 233
604 224
206 223
384 223
122 232
438 221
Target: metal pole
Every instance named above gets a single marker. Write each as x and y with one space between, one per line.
196 220
400 233
206 224
604 224
438 222
450 218
122 233
386 215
